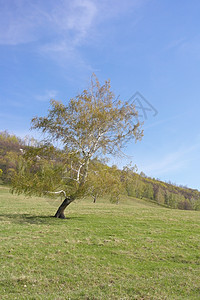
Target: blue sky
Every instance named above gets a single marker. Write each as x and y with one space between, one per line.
49 49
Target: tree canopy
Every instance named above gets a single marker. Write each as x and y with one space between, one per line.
93 124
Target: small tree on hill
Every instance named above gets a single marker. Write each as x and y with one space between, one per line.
103 180
90 125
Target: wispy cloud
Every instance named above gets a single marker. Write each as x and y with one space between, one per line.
23 22
167 120
191 47
18 22
176 43
186 46
174 161
47 95
57 28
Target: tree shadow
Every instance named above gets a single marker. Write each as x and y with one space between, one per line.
33 219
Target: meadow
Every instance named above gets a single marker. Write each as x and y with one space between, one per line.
133 250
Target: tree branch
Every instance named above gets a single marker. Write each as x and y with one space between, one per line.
59 192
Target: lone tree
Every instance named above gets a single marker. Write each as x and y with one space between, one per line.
89 126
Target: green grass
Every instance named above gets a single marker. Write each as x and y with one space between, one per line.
134 250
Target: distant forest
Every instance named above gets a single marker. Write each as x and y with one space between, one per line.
130 182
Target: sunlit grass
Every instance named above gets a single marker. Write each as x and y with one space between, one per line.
134 250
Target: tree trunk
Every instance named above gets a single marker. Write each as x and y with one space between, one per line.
60 211
68 200
95 198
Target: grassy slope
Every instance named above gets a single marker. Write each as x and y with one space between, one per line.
134 250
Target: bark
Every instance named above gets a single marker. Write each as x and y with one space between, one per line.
60 212
95 198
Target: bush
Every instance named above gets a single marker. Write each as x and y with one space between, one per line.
185 205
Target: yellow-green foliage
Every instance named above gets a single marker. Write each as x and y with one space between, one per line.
163 193
9 152
41 168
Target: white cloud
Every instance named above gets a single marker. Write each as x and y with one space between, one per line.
18 22
22 22
57 29
176 43
174 161
81 17
59 21
48 95
186 46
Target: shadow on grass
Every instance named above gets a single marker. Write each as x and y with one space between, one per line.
32 219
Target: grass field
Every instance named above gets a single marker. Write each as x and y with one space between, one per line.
134 250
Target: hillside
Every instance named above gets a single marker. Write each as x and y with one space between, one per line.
131 183
164 193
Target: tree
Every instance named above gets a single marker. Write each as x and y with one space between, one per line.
159 195
148 191
103 180
90 125
9 151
